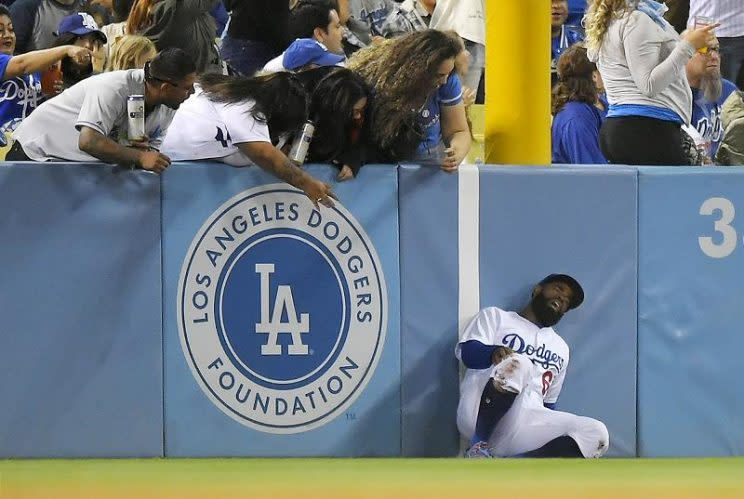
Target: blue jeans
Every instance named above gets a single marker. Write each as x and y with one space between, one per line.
732 59
245 56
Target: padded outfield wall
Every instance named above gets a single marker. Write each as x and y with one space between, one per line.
215 312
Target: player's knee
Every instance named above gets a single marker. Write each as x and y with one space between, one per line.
512 373
599 440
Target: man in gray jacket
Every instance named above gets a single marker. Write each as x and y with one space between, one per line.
35 21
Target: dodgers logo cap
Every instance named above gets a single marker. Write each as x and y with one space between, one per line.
79 24
578 291
304 51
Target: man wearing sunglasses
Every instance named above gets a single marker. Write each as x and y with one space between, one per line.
89 121
709 92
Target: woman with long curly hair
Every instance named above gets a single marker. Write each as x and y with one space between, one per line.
577 110
418 112
642 61
238 120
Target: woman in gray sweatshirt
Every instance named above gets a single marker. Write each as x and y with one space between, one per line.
642 61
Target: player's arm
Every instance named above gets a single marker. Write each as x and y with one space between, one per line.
478 348
271 159
99 146
476 355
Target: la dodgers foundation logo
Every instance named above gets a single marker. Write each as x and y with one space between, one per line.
282 310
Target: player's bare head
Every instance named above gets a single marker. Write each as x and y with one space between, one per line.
555 295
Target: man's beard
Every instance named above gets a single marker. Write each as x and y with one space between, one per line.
545 315
711 86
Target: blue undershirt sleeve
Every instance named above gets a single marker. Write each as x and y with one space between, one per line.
550 406
476 355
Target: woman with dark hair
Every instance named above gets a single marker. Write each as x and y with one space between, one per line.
338 106
80 30
418 112
237 120
20 78
577 110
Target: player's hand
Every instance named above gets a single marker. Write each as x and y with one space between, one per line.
346 173
451 162
700 37
153 161
79 55
318 192
500 354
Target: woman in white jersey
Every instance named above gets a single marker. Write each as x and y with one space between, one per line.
238 120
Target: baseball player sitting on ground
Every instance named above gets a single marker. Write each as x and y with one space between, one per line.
516 366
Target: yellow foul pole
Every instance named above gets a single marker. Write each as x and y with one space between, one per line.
517 82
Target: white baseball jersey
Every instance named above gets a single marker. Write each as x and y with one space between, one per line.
99 102
547 351
536 373
206 129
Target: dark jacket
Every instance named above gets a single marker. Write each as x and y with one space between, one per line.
259 20
35 22
188 25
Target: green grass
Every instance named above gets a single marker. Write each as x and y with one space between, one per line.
303 478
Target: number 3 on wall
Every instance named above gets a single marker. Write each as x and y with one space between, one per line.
721 226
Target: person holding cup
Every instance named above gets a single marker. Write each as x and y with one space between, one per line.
642 61
21 89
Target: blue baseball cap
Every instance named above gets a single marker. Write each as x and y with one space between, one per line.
79 24
304 51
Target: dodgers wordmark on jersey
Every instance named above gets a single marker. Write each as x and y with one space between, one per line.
206 129
548 352
98 102
706 116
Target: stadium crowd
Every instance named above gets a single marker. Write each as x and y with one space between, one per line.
645 83
361 81
248 82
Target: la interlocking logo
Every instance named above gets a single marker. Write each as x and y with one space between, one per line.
273 326
282 310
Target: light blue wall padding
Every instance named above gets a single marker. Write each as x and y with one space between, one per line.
582 222
429 280
194 426
690 329
80 335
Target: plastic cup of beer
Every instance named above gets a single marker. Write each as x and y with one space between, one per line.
49 79
699 22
